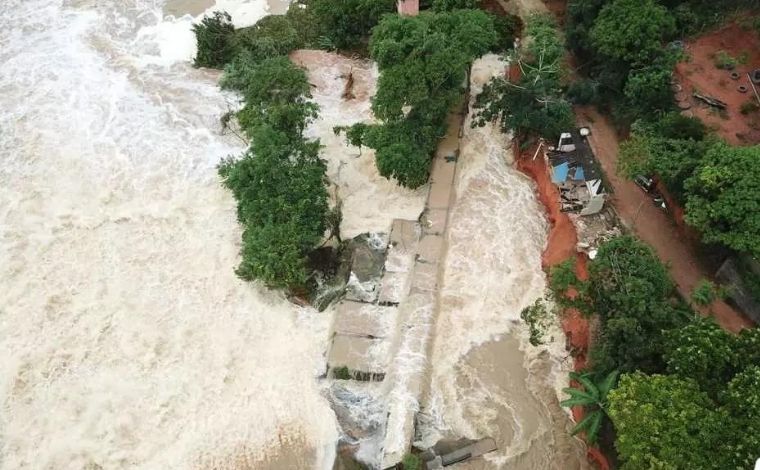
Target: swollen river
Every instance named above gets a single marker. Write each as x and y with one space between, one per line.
126 340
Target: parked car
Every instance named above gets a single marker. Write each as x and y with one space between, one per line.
644 182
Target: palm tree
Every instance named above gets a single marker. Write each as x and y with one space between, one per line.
593 398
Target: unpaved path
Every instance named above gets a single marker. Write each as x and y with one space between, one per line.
637 212
523 8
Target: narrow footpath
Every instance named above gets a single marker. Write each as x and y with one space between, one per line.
643 218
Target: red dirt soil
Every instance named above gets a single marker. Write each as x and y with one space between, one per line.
560 247
639 214
701 74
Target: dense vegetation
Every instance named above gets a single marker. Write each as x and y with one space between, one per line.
689 388
534 106
702 413
423 62
631 292
279 183
718 184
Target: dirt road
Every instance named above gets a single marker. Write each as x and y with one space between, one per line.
638 213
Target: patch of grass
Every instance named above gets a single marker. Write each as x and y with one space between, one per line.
411 462
341 373
749 107
704 293
724 61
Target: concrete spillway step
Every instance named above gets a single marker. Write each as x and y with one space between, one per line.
365 322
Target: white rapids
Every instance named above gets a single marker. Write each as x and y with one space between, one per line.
126 341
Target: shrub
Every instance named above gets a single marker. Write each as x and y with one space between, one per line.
537 317
704 293
342 373
215 40
348 22
749 107
583 91
674 125
724 61
411 462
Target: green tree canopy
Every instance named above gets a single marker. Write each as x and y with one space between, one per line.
282 202
214 36
632 31
704 352
535 104
635 299
423 62
723 200
667 422
347 22
271 36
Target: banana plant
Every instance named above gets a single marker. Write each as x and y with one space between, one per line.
593 398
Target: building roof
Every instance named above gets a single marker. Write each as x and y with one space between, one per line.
579 163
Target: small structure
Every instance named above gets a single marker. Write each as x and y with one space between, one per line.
576 173
408 7
445 454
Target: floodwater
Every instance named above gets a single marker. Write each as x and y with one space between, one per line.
487 380
126 341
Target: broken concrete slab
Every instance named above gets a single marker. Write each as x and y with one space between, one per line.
393 287
430 249
361 319
424 278
367 260
359 354
440 195
434 221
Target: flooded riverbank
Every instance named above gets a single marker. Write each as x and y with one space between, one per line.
127 340
487 380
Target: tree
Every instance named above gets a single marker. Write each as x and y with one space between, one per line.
215 40
667 422
632 31
348 22
534 105
743 402
272 36
423 62
276 93
448 5
723 197
648 89
273 254
702 351
283 204
633 295
593 398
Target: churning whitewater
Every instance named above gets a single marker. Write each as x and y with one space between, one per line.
126 341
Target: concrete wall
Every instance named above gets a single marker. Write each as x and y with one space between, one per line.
408 7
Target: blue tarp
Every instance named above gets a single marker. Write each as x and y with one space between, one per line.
559 173
579 176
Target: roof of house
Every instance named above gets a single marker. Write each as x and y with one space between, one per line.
578 164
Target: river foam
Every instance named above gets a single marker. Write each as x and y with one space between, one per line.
487 380
126 341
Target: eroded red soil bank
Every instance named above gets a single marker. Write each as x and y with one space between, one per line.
560 247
